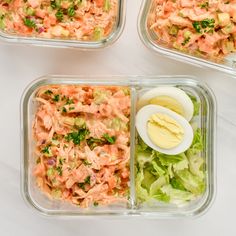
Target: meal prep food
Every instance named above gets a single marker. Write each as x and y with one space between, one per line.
169 163
82 141
202 28
86 20
118 146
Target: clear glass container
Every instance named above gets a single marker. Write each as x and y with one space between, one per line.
149 38
137 84
67 43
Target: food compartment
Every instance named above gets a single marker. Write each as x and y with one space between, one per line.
171 182
190 32
80 24
77 147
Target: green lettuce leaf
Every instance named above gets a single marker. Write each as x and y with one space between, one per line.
196 105
191 182
156 185
141 192
170 178
176 195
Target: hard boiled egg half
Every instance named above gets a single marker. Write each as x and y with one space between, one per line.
164 130
172 98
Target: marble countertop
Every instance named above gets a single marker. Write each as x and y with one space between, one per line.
22 64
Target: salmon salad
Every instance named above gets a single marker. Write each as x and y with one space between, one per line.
83 20
82 143
201 28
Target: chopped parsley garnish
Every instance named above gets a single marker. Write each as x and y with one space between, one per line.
61 161
53 4
69 101
71 108
87 180
207 23
204 5
197 26
94 142
59 15
29 23
48 92
186 41
106 139
71 11
46 150
78 136
56 98
64 109
81 185
95 204
86 163
59 170
109 138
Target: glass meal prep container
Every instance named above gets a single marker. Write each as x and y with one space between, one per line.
150 39
36 199
87 35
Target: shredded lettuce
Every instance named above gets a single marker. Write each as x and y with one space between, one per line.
176 195
196 105
170 178
191 182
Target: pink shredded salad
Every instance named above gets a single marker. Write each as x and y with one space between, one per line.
204 28
82 140
87 20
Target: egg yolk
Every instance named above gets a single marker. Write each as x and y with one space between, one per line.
168 102
164 131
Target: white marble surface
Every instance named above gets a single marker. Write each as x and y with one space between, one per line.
19 65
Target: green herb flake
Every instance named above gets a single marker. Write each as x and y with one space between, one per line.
204 5
186 41
81 185
94 142
64 109
48 92
59 170
59 15
56 98
69 101
208 23
71 11
87 180
86 163
197 26
61 161
78 136
109 139
71 108
46 150
53 4
95 204
29 23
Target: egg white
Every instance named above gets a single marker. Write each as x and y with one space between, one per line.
173 92
144 115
